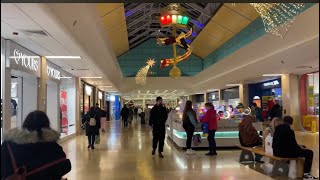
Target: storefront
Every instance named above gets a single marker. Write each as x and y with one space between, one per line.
53 82
214 98
100 99
115 107
309 100
262 92
2 79
21 73
67 104
230 97
87 97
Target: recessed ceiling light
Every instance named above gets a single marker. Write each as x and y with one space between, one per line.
233 85
106 86
90 77
267 75
63 57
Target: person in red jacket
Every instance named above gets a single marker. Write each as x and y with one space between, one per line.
210 117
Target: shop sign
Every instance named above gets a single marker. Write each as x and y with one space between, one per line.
30 62
272 83
53 73
21 59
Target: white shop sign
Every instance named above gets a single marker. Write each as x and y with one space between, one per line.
30 62
272 83
53 73
21 59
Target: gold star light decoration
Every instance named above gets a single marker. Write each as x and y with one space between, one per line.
141 77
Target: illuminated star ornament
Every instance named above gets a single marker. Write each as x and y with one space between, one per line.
141 77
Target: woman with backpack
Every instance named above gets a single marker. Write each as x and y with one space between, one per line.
189 124
92 124
32 152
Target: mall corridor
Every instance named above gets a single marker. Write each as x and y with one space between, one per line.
126 154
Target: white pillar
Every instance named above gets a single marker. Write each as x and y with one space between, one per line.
290 98
244 94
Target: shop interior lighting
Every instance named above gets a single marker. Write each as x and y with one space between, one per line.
231 85
91 77
271 75
63 57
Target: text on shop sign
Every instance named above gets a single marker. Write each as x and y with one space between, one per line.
26 61
54 73
272 83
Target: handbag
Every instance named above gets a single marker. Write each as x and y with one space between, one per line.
97 141
20 173
93 121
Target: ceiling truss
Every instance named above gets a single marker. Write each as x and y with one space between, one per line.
142 20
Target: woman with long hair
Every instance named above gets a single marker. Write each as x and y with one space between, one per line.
189 124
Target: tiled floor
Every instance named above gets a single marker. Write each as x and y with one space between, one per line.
126 154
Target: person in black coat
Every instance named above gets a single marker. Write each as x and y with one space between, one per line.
158 118
34 146
276 110
125 112
92 131
285 145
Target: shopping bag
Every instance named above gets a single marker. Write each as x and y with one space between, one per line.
296 169
196 139
97 140
268 144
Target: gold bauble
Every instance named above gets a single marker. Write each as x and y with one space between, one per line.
175 72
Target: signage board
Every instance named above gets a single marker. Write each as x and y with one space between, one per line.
21 59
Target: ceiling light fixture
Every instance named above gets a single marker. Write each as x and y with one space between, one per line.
91 77
63 77
268 75
105 86
63 57
232 85
139 92
147 91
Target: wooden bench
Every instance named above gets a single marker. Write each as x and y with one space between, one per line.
280 166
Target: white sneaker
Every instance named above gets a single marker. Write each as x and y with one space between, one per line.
190 152
308 176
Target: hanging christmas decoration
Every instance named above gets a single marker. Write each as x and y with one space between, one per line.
278 17
141 76
174 15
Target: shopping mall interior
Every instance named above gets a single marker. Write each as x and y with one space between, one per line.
244 58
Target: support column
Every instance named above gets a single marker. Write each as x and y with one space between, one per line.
42 86
220 97
78 106
6 104
290 98
143 103
244 94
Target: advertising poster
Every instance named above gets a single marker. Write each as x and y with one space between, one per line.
64 111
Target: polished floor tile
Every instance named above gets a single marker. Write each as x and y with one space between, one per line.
125 153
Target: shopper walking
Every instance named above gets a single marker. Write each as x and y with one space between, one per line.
189 124
158 117
31 149
125 115
92 124
210 117
285 145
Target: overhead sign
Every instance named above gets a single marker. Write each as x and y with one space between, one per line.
53 73
30 62
21 59
272 83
